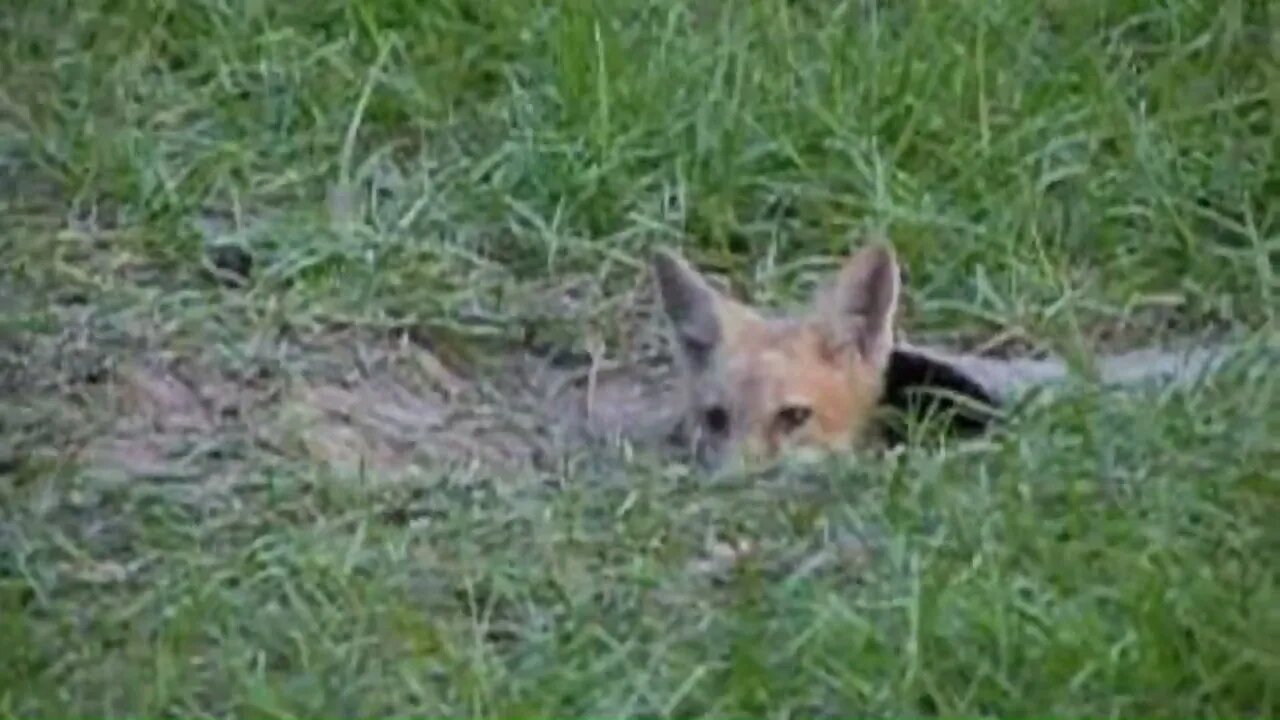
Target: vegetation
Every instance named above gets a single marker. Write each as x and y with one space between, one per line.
240 187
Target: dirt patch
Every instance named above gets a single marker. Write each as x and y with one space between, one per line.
364 406
388 425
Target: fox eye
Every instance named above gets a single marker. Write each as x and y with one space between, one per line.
791 417
716 419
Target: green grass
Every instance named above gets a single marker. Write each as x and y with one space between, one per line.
1065 171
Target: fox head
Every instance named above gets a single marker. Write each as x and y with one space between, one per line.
757 387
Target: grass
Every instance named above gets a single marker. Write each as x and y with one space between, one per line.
1061 171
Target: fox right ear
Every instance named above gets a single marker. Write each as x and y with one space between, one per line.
691 305
861 306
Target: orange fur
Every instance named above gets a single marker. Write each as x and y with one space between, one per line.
758 387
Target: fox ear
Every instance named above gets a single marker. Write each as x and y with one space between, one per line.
691 305
861 306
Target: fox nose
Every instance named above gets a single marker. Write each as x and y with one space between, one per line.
757 450
708 458
729 458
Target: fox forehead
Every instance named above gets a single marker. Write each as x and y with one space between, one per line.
774 362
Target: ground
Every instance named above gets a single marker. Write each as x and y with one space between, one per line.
332 383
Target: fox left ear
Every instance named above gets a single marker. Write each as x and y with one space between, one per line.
692 306
860 308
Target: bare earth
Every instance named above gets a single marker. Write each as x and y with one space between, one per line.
349 400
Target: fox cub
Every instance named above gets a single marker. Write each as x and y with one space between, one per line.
757 386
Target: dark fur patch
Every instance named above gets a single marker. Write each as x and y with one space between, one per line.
917 386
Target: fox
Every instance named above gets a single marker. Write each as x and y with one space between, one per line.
759 385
